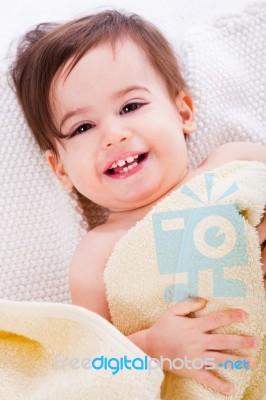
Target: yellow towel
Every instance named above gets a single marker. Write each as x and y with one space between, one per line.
225 269
44 352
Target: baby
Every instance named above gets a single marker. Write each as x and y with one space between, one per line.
107 105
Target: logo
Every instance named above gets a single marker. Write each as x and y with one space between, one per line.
116 365
211 237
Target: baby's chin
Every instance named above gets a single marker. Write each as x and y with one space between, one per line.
137 207
139 192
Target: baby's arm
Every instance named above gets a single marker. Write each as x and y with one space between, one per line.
86 275
166 336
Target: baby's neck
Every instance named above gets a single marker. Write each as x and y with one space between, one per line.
131 216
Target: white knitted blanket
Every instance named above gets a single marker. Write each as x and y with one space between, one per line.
225 68
39 224
224 65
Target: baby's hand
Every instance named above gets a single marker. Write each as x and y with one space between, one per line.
175 336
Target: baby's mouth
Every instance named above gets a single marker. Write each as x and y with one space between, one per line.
128 167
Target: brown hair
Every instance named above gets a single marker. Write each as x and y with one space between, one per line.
47 48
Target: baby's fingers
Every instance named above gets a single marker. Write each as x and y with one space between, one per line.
208 379
185 308
221 318
232 342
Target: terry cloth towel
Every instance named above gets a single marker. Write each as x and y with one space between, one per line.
44 352
200 240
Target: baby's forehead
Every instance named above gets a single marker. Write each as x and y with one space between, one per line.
103 70
124 53
124 45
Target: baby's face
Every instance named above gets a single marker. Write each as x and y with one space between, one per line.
126 147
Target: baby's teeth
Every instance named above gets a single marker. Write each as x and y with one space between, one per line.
129 167
121 163
130 159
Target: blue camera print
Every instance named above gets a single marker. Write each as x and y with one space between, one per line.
204 238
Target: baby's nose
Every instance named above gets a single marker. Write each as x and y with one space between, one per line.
113 141
115 136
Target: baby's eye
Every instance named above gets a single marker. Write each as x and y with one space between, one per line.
81 129
131 107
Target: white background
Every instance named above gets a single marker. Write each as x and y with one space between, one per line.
174 17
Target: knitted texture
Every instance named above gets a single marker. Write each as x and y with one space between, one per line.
41 224
224 67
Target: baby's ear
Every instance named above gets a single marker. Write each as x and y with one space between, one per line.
58 169
185 108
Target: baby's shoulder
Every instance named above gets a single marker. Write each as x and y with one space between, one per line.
221 155
94 244
99 242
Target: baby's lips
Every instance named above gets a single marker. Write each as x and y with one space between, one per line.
120 156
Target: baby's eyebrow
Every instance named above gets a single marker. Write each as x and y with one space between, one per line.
72 113
114 96
128 89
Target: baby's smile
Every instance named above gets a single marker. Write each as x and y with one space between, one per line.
126 166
